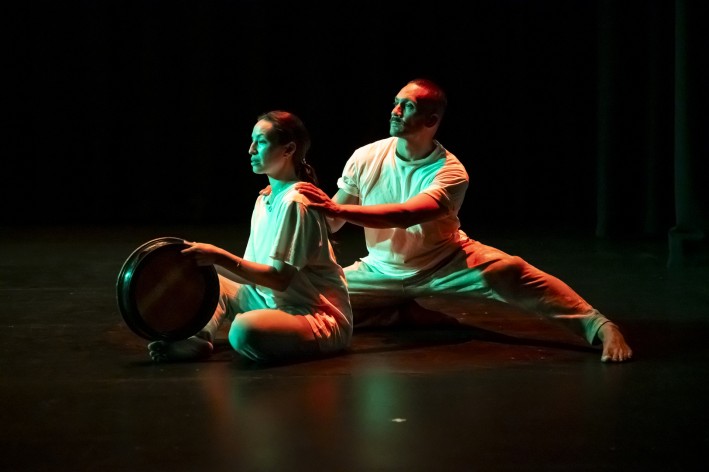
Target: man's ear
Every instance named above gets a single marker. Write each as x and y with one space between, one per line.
432 120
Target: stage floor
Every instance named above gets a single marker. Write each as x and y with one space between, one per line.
506 392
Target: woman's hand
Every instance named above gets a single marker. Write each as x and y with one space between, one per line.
204 254
277 276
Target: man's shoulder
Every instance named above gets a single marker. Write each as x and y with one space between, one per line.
450 158
377 146
451 165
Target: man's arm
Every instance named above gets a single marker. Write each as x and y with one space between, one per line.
340 198
347 208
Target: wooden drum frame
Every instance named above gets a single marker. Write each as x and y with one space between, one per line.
163 294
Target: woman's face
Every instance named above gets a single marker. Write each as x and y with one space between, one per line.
267 157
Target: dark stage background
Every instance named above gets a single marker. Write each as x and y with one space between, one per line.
585 116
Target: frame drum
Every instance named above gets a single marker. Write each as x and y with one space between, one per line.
162 294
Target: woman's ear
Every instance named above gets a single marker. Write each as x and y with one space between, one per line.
290 149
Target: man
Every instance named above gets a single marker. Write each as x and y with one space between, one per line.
406 191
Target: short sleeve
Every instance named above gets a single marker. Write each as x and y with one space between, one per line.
298 235
349 180
449 185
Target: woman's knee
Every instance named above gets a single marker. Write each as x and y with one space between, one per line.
245 341
238 335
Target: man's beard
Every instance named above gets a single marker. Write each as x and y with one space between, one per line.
397 128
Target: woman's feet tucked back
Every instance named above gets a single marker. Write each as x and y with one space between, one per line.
191 348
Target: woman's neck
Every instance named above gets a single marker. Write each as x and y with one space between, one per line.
278 185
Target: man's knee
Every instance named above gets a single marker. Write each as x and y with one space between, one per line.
506 268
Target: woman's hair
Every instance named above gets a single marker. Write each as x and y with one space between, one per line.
288 127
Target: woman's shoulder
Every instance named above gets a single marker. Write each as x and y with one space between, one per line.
293 197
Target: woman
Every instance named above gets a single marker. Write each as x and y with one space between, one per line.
293 298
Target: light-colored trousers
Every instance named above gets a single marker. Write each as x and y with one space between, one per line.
476 271
261 333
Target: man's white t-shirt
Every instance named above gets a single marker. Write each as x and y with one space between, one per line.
376 175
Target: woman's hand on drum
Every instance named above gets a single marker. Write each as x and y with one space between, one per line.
204 254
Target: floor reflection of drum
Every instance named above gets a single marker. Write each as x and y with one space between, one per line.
162 294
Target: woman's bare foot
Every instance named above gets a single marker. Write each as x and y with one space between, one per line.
615 349
191 348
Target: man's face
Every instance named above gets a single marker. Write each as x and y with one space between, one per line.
407 117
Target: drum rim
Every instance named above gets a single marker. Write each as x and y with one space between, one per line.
128 306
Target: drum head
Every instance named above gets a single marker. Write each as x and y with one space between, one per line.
163 294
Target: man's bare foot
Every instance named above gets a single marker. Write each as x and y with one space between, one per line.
615 349
191 348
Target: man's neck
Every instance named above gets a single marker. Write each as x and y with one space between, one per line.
411 150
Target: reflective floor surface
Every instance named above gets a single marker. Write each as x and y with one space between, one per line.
506 391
